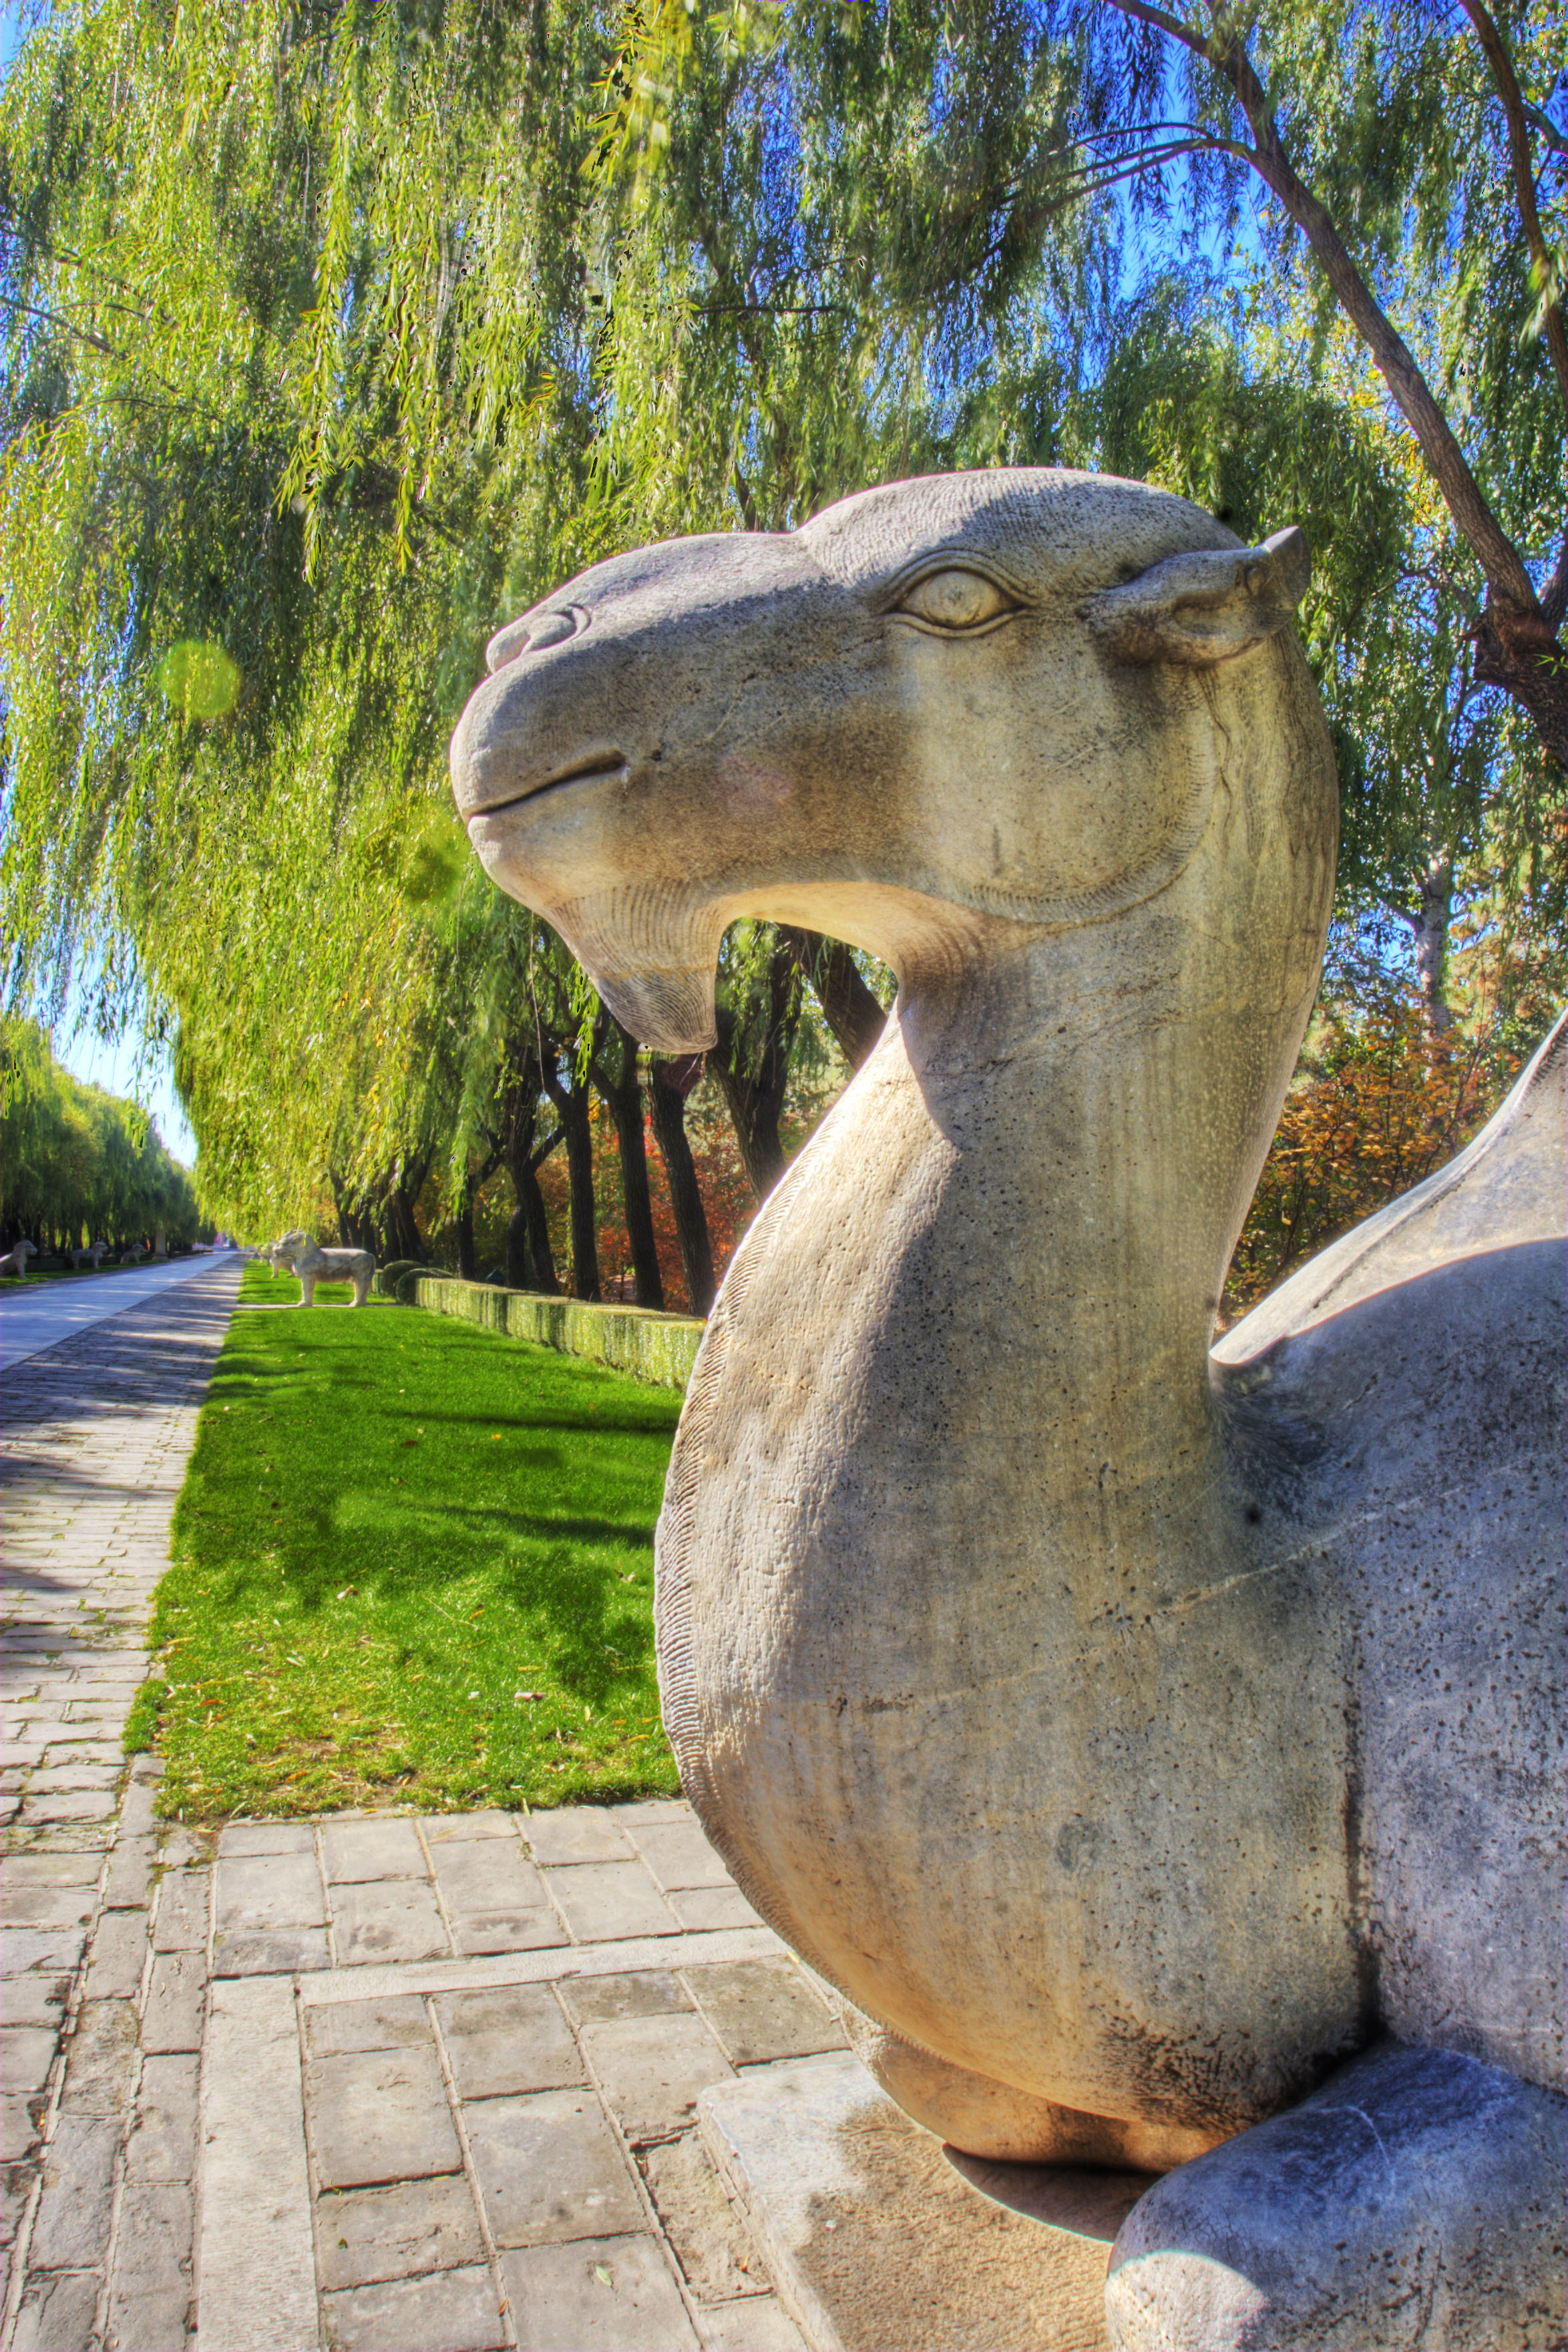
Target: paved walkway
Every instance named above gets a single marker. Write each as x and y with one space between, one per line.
379 2084
38 1314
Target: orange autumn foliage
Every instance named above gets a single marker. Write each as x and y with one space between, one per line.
1378 1103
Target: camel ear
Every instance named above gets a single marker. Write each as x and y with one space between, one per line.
1206 608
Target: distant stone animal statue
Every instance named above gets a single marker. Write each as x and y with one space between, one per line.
133 1253
93 1255
312 1265
16 1258
1159 1747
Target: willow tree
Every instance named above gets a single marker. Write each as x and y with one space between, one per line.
295 392
332 338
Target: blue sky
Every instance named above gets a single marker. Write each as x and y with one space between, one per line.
120 1070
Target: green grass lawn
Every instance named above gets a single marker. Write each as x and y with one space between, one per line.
413 1563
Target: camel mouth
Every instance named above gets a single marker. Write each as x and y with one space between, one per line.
601 767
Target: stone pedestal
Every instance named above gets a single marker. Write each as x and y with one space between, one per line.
874 2233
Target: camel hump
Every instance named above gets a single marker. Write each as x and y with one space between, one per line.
1509 1185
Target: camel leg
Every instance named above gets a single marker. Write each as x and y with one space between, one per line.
987 2118
1416 2200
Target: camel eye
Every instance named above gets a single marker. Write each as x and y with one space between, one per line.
955 599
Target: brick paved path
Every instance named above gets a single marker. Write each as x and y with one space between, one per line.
379 2084
94 1435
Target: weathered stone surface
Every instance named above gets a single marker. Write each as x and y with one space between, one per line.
366 2234
118 1958
372 1848
130 1883
514 2038
705 1907
456 2309
257 2279
391 1919
614 2294
379 2114
872 2240
651 2070
712 2242
242 1840
1164 1631
604 1901
150 2292
486 1874
46 1950
21 2124
478 1932
578 1833
680 1855
51 1909
399 2023
175 2005
269 1951
36 2000
57 2313
102 2059
644 1992
1415 2200
71 2230
765 2008
47 1870
439 1829
280 1892
760 2323
548 2168
182 1918
162 2143
26 2054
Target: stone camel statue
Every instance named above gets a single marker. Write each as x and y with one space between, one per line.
16 1258
1155 1746
312 1264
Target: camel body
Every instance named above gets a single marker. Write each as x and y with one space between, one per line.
1143 1683
313 1264
1130 1734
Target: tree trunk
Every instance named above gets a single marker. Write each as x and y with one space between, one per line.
624 1096
571 1109
465 1225
848 1007
1522 655
752 1080
1430 927
545 1277
667 1099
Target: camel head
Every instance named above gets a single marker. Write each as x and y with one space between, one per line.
943 717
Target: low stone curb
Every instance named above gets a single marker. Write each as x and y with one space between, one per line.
659 1349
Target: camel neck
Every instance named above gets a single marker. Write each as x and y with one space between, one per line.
1093 1173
